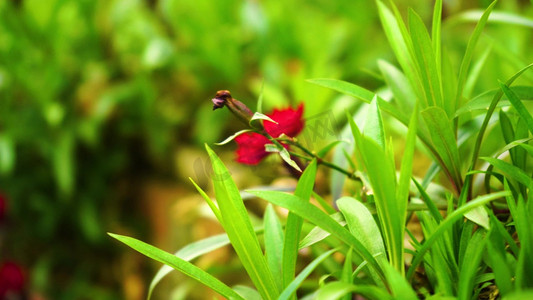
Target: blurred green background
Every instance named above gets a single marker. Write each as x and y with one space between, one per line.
105 106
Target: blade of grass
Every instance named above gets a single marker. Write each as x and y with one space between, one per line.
518 105
436 26
238 226
179 264
465 64
188 253
293 226
347 269
424 55
273 242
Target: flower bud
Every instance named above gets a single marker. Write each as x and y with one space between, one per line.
238 108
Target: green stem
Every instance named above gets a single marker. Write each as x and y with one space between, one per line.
349 174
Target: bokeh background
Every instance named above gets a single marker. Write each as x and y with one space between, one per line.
105 107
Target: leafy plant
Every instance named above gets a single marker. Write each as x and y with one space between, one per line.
475 237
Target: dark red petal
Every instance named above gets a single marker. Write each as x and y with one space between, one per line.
251 148
290 122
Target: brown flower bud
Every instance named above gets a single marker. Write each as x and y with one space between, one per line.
223 98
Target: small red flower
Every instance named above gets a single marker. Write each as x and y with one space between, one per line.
11 279
251 146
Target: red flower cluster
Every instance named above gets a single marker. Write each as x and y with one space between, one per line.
251 146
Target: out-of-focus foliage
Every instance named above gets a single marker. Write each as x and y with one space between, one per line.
97 96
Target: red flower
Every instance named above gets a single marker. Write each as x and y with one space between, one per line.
251 146
11 279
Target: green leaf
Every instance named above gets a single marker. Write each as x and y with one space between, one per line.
511 171
7 154
381 173
347 268
488 115
476 71
293 286
238 226
403 93
447 224
232 137
324 151
293 227
426 61
260 116
210 203
503 275
429 203
337 289
247 292
444 142
502 17
374 124
465 64
483 100
273 243
317 234
406 170
400 43
362 224
519 106
63 163
326 205
179 264
345 88
520 295
399 286
313 214
436 28
285 155
188 253
479 216
470 266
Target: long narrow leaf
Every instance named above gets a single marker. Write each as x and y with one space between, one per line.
519 106
293 227
179 264
465 64
188 253
273 243
238 226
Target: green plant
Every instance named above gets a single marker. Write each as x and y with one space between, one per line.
482 245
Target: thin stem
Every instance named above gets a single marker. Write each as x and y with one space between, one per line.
349 174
